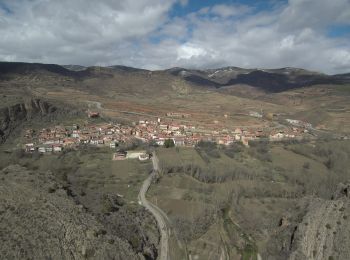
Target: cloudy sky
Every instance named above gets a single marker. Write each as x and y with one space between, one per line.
157 34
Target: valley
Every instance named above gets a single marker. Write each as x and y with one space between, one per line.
174 130
253 164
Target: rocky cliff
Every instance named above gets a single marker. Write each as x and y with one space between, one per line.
13 116
324 230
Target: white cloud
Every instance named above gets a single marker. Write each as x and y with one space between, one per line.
188 51
265 39
226 11
77 31
340 58
314 14
142 34
287 42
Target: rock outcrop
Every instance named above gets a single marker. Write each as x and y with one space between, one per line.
324 230
12 116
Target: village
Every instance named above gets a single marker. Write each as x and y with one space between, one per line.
58 138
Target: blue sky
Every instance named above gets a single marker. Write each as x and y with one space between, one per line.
257 6
158 34
4 8
195 5
339 31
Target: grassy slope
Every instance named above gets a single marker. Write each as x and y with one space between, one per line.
91 175
253 204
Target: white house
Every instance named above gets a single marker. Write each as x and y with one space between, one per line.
48 149
277 136
57 149
75 134
179 141
42 150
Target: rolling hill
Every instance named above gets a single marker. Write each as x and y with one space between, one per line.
207 95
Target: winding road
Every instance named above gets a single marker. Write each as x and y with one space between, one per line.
156 212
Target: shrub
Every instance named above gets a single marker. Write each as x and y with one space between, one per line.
233 149
169 143
306 165
111 203
187 196
213 153
196 227
206 145
260 155
210 148
203 155
329 163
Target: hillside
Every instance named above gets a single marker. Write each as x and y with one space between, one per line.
221 201
207 95
40 220
94 197
279 201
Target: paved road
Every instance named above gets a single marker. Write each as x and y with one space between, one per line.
157 213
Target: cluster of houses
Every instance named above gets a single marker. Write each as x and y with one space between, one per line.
189 135
299 123
57 138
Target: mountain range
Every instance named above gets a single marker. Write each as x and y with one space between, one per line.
269 80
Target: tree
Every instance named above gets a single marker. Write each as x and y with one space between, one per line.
169 143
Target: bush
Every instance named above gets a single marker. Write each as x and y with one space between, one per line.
213 153
260 154
210 148
206 145
111 203
132 144
187 196
169 143
306 165
203 155
233 149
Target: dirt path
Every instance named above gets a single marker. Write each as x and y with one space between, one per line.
156 212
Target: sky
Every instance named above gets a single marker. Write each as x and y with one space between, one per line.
160 34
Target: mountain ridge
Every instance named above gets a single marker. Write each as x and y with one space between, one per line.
74 67
269 80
